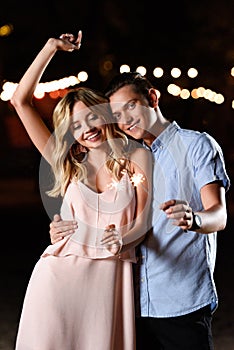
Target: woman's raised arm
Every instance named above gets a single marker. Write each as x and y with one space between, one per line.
22 99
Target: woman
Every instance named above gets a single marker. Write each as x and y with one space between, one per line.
80 294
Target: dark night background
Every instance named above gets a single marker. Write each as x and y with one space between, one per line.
181 34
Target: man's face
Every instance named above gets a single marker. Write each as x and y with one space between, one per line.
132 112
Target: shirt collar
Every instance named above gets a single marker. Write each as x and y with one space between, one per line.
164 138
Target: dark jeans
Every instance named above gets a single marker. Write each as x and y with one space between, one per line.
188 332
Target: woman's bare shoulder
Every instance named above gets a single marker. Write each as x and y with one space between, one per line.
140 152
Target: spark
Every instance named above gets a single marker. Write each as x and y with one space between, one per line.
137 179
115 184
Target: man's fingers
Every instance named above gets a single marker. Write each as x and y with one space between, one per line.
53 241
179 201
60 229
57 217
175 203
164 206
64 225
179 211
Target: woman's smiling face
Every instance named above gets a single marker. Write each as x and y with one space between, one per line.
88 128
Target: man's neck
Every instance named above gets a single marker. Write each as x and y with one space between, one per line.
159 126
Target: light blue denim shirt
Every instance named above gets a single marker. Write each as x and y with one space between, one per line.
175 269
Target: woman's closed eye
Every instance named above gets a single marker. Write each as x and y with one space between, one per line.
76 126
93 117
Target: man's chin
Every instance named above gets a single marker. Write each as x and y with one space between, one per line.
138 135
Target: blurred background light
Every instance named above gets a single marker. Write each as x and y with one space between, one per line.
124 68
175 72
141 70
6 29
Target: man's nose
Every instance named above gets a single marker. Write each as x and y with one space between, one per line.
127 117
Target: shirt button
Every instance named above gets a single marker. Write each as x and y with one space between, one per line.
142 257
142 280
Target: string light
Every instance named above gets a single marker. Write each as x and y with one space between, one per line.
175 72
124 68
53 87
141 70
158 72
192 73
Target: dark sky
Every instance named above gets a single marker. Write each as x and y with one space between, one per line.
190 33
184 34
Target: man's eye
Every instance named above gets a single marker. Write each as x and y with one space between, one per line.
131 105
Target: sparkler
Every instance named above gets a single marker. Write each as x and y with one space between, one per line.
136 179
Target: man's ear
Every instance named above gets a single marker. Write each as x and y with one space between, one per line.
153 98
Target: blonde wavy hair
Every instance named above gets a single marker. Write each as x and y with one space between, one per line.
67 157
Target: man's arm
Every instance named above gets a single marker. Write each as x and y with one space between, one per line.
213 217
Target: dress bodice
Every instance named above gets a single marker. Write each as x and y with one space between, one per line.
94 211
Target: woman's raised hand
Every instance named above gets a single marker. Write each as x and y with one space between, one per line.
70 42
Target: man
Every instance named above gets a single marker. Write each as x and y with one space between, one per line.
175 290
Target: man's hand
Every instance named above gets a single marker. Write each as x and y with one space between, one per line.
60 228
180 212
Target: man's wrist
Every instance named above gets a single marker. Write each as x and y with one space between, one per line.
197 222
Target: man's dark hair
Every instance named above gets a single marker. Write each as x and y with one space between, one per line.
140 84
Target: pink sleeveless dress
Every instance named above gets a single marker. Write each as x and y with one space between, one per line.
80 295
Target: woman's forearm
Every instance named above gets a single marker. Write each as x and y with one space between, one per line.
27 85
22 98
